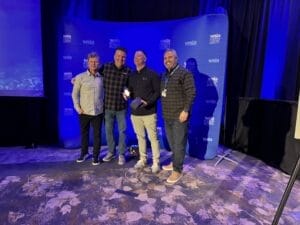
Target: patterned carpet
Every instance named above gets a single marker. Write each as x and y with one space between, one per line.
46 186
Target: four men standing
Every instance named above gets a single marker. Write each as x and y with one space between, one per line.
176 89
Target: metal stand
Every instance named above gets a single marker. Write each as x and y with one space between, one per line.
286 193
225 153
225 157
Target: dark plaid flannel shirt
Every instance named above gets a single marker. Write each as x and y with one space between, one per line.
180 93
114 82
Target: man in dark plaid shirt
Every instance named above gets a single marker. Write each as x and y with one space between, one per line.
177 96
115 76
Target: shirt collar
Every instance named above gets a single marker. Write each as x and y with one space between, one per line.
173 69
121 68
142 70
90 74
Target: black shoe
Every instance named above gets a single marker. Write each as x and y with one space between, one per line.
95 162
82 158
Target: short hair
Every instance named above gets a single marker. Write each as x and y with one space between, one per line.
142 51
92 55
121 49
171 50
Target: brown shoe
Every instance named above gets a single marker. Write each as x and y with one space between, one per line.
168 167
174 177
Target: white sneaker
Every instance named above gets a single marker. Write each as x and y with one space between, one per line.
140 164
121 160
109 156
82 157
155 168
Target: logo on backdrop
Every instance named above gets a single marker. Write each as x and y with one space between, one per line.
214 60
208 139
85 63
114 43
164 44
68 111
67 38
68 75
88 42
211 101
209 121
191 43
67 57
214 39
213 81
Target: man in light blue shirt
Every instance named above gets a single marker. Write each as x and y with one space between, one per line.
87 96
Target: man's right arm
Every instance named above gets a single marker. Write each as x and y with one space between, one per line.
76 94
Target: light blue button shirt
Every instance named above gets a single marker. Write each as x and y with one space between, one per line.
88 93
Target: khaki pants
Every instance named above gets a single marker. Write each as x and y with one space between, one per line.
148 123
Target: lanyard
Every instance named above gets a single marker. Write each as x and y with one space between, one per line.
168 76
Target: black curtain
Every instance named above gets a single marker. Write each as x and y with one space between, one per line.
246 46
248 21
248 35
136 10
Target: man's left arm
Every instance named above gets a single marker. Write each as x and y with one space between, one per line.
189 94
155 82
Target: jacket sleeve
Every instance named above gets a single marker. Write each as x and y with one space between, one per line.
155 81
189 91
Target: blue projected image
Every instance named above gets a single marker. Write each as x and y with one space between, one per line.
21 70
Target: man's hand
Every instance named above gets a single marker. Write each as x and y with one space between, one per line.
125 96
183 116
80 111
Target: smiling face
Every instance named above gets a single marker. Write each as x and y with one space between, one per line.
139 59
170 59
120 58
93 64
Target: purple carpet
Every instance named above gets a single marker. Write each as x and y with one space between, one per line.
46 186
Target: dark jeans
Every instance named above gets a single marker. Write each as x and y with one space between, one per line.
110 117
85 122
177 138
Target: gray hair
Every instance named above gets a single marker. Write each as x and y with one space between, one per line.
171 50
92 55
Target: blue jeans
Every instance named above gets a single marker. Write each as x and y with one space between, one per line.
110 117
177 138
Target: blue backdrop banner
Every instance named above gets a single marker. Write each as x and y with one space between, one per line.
201 44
